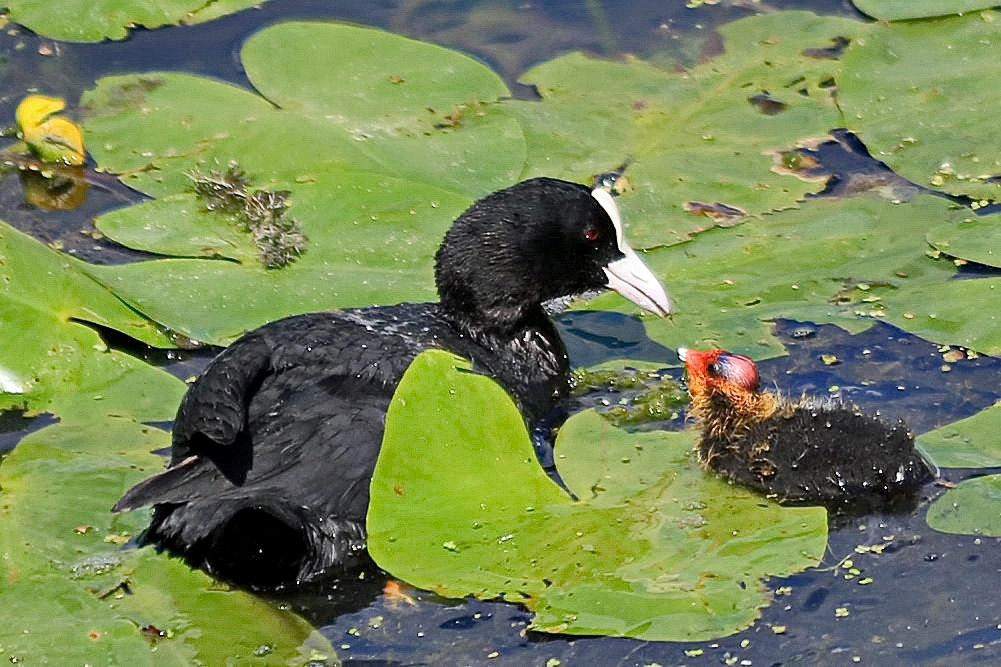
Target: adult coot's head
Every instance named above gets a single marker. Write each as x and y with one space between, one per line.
538 240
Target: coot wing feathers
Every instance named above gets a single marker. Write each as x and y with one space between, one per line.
313 393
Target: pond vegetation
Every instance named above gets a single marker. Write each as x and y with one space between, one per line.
367 144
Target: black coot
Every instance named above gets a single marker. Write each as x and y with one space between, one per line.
275 444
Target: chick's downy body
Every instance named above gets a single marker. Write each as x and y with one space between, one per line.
808 451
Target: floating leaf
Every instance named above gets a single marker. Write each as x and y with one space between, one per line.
179 225
967 443
80 596
973 507
950 312
974 239
96 20
916 92
694 135
382 252
896 10
655 548
51 360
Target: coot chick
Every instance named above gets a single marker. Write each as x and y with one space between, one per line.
275 443
818 452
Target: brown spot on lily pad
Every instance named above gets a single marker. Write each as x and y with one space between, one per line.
722 213
832 52
767 104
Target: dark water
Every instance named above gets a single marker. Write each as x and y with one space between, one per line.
932 598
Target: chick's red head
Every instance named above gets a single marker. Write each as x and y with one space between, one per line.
716 369
724 390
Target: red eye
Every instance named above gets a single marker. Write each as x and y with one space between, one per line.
591 234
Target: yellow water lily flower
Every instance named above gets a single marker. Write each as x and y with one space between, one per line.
51 138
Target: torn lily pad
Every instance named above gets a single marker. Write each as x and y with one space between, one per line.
917 92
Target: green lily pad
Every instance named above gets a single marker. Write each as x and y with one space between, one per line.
656 548
950 312
80 596
694 135
39 278
973 507
379 159
973 239
96 20
918 93
181 226
330 108
53 361
838 261
967 443
896 10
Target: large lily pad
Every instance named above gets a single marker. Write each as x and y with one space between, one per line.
379 153
975 239
80 597
918 93
655 548
955 312
694 135
840 261
973 507
895 10
967 443
96 20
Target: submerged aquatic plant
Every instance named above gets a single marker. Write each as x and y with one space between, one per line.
279 239
644 396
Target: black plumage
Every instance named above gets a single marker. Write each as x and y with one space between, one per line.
810 451
275 443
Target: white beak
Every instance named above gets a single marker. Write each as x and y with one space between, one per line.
629 276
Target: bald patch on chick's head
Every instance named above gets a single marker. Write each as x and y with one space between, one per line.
725 390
